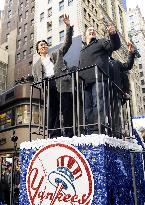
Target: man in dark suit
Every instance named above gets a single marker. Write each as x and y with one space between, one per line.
50 65
4 192
96 52
118 73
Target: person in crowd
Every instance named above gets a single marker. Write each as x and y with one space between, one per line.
52 65
96 52
16 184
118 72
4 192
7 174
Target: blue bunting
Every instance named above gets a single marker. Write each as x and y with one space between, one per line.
112 171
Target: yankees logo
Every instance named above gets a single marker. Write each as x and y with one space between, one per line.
59 174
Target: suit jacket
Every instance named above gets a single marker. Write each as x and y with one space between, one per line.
59 67
118 69
97 52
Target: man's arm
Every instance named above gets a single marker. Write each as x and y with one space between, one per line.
68 37
114 43
129 64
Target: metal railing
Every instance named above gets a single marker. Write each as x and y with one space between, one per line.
112 116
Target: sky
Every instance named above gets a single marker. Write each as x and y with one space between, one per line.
1 4
130 4
133 3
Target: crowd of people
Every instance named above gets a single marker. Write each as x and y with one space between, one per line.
99 103
9 187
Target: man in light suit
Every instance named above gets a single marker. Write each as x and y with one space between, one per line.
50 65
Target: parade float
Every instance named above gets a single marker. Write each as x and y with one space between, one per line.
95 169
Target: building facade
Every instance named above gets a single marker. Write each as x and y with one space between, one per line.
84 13
3 69
137 34
17 38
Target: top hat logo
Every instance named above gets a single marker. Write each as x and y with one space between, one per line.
68 170
57 178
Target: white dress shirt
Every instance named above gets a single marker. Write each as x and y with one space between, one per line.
48 66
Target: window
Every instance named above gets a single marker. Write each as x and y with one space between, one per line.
9 14
32 22
18 56
7 36
41 16
93 22
19 30
92 8
89 16
20 18
95 13
61 5
86 27
24 54
25 27
22 114
10 3
97 26
49 41
70 2
31 36
49 26
140 66
31 49
26 14
7 118
26 3
8 25
25 40
30 63
50 12
85 12
61 35
19 44
143 90
142 82
21 6
141 74
61 20
32 9
88 2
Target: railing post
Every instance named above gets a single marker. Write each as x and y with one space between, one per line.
73 94
78 104
48 108
83 102
44 109
30 123
98 100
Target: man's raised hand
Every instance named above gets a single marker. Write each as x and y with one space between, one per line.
66 20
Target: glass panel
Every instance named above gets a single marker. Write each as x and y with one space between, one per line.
22 114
